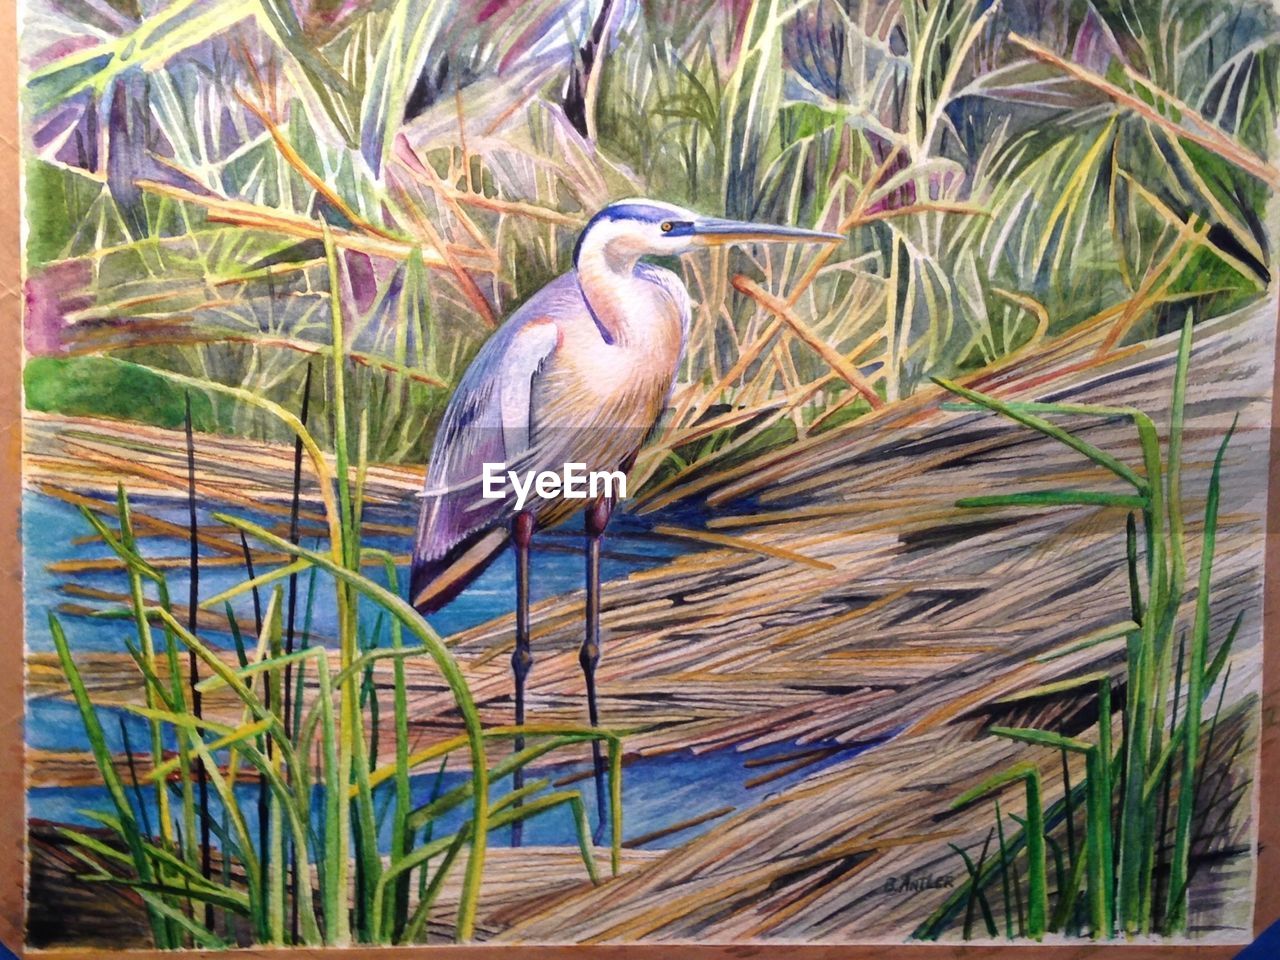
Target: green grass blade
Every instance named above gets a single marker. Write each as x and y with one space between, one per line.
1177 417
106 767
1097 842
276 864
400 833
615 804
1069 893
1004 873
202 937
448 667
1099 814
266 665
420 816
332 891
231 738
412 28
230 897
413 929
1037 882
262 580
1042 738
1131 556
136 569
325 84
1093 639
1051 689
1100 457
1176 909
1019 771
1070 818
190 890
976 895
1055 498
1224 652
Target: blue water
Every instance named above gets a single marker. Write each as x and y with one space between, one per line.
658 792
50 525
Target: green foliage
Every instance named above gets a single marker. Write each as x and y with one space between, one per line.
174 29
107 387
399 60
60 200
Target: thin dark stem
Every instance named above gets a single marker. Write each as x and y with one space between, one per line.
294 509
1131 557
193 670
257 597
290 618
143 816
1133 643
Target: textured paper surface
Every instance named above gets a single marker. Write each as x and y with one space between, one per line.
821 638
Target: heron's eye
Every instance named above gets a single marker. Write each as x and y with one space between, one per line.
666 226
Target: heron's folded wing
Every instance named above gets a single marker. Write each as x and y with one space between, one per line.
489 417
523 363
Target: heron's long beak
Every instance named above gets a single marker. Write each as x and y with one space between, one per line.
710 232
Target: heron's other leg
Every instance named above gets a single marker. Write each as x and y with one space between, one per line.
522 657
597 519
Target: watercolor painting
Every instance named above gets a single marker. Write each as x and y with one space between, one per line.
599 471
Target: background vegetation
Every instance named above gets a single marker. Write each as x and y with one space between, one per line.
1005 172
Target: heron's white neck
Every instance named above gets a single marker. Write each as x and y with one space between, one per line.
616 293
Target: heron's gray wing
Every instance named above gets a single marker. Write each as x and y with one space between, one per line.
527 359
490 419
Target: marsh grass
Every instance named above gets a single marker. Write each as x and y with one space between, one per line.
315 861
1136 783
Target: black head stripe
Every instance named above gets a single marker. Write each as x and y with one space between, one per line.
641 213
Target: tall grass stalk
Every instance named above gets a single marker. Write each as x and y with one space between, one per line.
1037 897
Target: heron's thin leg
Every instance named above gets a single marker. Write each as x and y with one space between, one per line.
522 656
597 519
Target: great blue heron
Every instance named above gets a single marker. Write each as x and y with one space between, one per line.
577 375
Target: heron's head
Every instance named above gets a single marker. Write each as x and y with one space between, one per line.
630 229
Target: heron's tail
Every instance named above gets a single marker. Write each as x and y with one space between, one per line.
434 582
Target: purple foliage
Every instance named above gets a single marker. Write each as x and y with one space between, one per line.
50 294
1095 45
